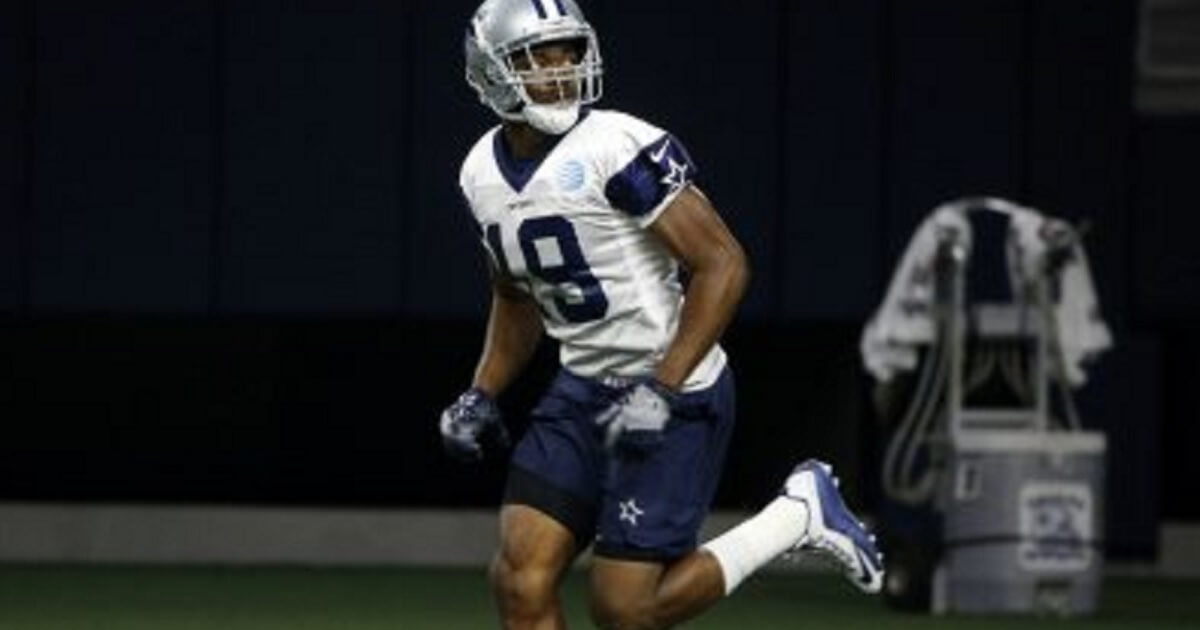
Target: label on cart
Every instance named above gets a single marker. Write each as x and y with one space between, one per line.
1056 527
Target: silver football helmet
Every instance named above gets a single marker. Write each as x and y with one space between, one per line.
504 31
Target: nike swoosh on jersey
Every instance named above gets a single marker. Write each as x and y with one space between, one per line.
658 155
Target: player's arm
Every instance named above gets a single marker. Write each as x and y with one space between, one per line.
513 331
514 328
695 234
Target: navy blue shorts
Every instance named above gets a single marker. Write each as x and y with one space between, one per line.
646 506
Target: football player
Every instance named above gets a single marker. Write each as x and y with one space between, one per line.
586 216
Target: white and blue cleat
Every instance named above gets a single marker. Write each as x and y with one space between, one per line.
833 531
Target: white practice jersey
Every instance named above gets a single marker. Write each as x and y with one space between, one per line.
572 230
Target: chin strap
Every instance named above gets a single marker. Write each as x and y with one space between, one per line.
552 119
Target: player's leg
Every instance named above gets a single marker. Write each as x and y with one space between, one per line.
535 550
645 594
809 515
549 511
809 495
672 581
647 571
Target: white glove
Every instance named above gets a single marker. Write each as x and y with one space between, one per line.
638 417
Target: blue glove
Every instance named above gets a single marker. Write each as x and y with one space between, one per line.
465 422
638 417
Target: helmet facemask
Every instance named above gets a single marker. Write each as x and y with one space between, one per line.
510 79
553 93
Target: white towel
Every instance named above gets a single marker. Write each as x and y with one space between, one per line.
905 319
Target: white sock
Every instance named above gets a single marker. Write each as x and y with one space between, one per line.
759 539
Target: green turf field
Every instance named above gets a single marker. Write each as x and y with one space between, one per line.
298 599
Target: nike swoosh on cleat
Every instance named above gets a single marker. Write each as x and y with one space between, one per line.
864 574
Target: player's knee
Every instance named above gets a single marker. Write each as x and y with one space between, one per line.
613 613
522 590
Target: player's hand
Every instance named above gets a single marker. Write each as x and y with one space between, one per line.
464 424
638 417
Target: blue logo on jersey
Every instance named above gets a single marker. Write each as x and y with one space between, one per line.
571 175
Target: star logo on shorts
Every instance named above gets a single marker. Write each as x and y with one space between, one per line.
630 511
